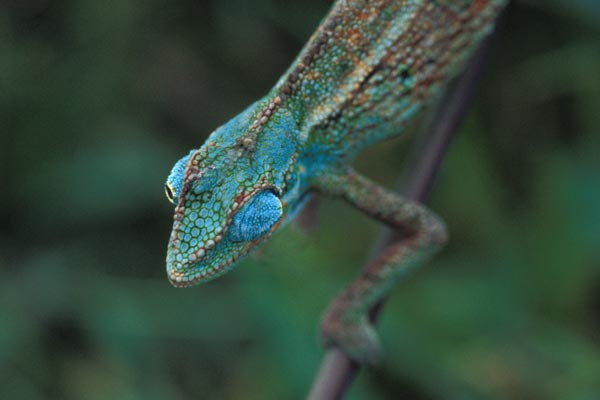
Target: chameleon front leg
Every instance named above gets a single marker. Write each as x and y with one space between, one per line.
346 324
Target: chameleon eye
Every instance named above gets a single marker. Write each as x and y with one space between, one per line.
169 193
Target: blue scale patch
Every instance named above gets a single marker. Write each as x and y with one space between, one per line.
255 218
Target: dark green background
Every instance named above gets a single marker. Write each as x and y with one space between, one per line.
99 98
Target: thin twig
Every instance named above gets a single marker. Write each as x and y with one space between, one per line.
337 371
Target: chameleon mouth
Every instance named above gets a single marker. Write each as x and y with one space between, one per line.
185 277
181 279
197 268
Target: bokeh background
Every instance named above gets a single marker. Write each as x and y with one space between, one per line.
99 98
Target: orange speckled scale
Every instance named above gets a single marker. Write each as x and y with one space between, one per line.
372 65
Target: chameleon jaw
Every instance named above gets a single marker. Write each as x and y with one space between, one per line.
180 279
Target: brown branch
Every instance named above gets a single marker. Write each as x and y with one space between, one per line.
337 371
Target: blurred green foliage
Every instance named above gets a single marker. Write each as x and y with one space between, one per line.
99 98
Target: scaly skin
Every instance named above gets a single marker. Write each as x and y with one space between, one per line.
365 73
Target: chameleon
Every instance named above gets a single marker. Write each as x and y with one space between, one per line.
371 68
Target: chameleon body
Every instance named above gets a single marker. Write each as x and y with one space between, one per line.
370 67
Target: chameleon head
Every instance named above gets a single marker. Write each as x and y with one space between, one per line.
228 200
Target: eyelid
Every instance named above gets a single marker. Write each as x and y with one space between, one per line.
169 193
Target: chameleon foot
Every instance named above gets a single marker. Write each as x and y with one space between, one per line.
355 337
